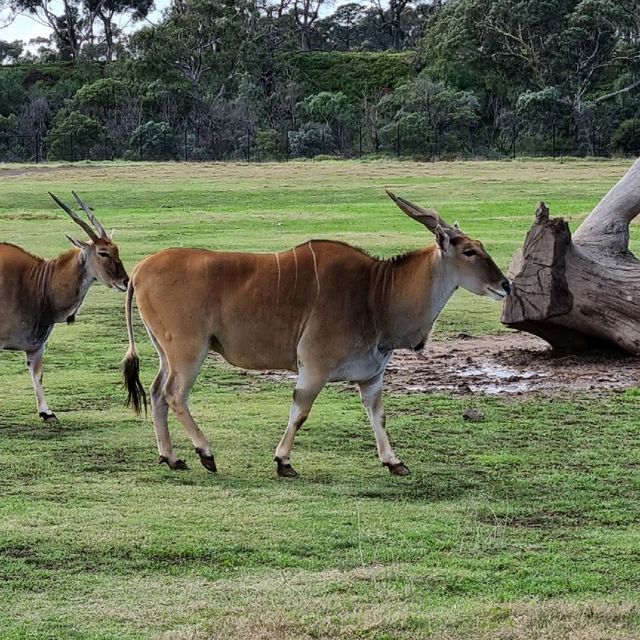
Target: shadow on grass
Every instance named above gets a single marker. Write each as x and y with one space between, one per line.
42 430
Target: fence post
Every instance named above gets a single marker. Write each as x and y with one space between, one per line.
360 138
322 143
513 139
37 147
248 145
71 145
186 152
553 137
164 145
398 140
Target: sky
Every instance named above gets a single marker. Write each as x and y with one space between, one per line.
25 28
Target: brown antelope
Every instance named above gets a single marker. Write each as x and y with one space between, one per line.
324 309
36 293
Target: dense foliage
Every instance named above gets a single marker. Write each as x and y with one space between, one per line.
261 79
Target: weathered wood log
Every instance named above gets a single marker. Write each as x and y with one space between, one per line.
581 292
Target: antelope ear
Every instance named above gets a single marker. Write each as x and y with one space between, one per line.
442 238
83 246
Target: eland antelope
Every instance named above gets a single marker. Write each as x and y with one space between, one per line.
323 309
36 293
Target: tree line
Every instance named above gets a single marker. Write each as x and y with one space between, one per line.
269 80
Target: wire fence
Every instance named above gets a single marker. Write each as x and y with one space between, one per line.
157 142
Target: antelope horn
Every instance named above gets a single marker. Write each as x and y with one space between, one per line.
74 216
96 223
428 217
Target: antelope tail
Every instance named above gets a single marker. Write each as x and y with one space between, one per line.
137 398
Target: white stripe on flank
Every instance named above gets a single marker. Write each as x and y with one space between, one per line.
43 279
315 269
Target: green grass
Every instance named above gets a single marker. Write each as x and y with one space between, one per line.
523 526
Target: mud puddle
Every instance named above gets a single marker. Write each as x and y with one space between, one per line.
512 363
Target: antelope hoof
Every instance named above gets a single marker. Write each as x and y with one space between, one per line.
48 417
285 470
398 469
178 465
208 462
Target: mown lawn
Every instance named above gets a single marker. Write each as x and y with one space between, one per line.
523 526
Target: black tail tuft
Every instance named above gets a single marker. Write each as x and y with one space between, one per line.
131 372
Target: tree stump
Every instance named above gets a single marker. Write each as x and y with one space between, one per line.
580 292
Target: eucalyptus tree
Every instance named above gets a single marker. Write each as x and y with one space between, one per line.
307 14
73 22
578 48
340 29
391 16
10 52
105 12
203 51
430 116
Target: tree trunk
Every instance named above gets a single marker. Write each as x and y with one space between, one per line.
72 35
305 43
108 34
583 291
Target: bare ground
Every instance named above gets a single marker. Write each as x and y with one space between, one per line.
26 170
512 363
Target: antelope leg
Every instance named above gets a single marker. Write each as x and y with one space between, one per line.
371 394
34 363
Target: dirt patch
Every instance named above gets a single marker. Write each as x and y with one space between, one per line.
511 363
38 169
10 173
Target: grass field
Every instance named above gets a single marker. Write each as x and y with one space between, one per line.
523 526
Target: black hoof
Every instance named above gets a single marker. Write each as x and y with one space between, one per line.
285 470
208 462
48 417
178 465
398 469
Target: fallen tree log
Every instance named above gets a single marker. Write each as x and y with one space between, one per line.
580 292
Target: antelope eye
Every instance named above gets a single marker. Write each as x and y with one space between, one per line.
470 252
